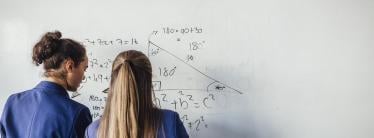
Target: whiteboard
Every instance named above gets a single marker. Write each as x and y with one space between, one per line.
259 69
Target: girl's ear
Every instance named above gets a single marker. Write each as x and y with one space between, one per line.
68 65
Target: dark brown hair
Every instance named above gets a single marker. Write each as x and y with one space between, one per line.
52 50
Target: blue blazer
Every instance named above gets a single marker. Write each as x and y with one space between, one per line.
45 111
171 123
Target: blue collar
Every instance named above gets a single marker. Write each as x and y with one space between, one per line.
54 88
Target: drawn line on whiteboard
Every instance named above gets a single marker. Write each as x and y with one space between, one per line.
157 86
181 60
159 90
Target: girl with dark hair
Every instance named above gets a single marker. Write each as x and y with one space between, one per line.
129 111
47 110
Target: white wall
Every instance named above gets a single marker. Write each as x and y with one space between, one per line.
300 69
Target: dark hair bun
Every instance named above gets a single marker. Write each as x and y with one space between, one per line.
46 47
53 35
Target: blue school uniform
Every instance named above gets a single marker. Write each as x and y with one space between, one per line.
172 127
45 111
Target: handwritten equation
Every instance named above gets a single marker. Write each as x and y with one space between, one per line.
110 42
182 30
185 101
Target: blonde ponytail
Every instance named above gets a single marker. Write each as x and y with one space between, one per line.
129 110
124 101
